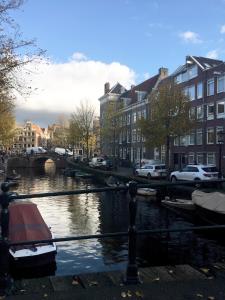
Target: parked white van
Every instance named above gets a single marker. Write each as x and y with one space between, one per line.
97 162
63 151
35 150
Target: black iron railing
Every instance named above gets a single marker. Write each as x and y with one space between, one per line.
131 276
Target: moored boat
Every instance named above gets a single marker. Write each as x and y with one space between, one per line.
146 192
27 224
179 203
210 206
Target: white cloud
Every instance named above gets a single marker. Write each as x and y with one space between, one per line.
79 56
222 29
214 54
190 37
61 86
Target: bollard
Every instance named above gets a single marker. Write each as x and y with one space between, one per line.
132 276
5 279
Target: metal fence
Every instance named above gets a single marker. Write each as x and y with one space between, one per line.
131 274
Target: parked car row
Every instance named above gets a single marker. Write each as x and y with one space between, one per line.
101 163
189 172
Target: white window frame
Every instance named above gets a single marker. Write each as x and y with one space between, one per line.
200 158
223 79
218 129
208 160
197 112
220 115
191 135
192 113
210 130
199 86
191 158
191 96
209 82
210 115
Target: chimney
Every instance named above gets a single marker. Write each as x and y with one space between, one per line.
132 86
163 72
107 87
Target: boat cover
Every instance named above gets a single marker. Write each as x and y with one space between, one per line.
214 201
26 223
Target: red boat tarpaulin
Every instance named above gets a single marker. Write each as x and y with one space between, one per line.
26 223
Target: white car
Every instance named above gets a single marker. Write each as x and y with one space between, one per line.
152 171
195 172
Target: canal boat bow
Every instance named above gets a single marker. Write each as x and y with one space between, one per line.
27 224
210 206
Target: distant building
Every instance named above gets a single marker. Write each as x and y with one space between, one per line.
29 135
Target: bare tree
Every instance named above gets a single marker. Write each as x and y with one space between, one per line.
169 116
82 121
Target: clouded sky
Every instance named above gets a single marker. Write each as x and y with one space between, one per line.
90 42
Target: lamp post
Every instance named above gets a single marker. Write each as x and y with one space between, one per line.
220 140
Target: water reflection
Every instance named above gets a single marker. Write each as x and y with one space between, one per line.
75 215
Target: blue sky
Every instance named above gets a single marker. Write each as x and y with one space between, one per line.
142 35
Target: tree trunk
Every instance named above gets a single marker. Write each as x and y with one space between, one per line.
167 158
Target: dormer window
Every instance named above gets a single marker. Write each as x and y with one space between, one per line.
140 95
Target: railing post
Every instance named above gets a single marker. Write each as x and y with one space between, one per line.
132 276
5 279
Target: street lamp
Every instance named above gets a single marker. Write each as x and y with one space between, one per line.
220 140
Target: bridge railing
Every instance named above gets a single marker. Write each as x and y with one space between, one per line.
131 274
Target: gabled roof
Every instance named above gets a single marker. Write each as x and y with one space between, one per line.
206 62
145 86
203 62
117 89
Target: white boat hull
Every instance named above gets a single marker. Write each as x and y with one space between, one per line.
146 192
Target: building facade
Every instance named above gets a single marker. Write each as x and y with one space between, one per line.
203 80
126 141
29 135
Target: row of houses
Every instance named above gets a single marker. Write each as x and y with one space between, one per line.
203 80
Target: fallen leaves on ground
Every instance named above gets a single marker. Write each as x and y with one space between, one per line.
205 270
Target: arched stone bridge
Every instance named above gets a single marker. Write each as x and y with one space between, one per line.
36 160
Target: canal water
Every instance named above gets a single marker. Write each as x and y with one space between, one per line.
108 212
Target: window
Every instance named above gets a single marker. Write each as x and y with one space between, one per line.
134 117
192 138
183 140
210 87
144 113
192 113
128 136
211 158
176 141
221 84
128 119
133 135
191 158
139 115
210 135
138 135
191 92
200 159
220 109
192 72
218 129
140 95
199 90
199 112
210 111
